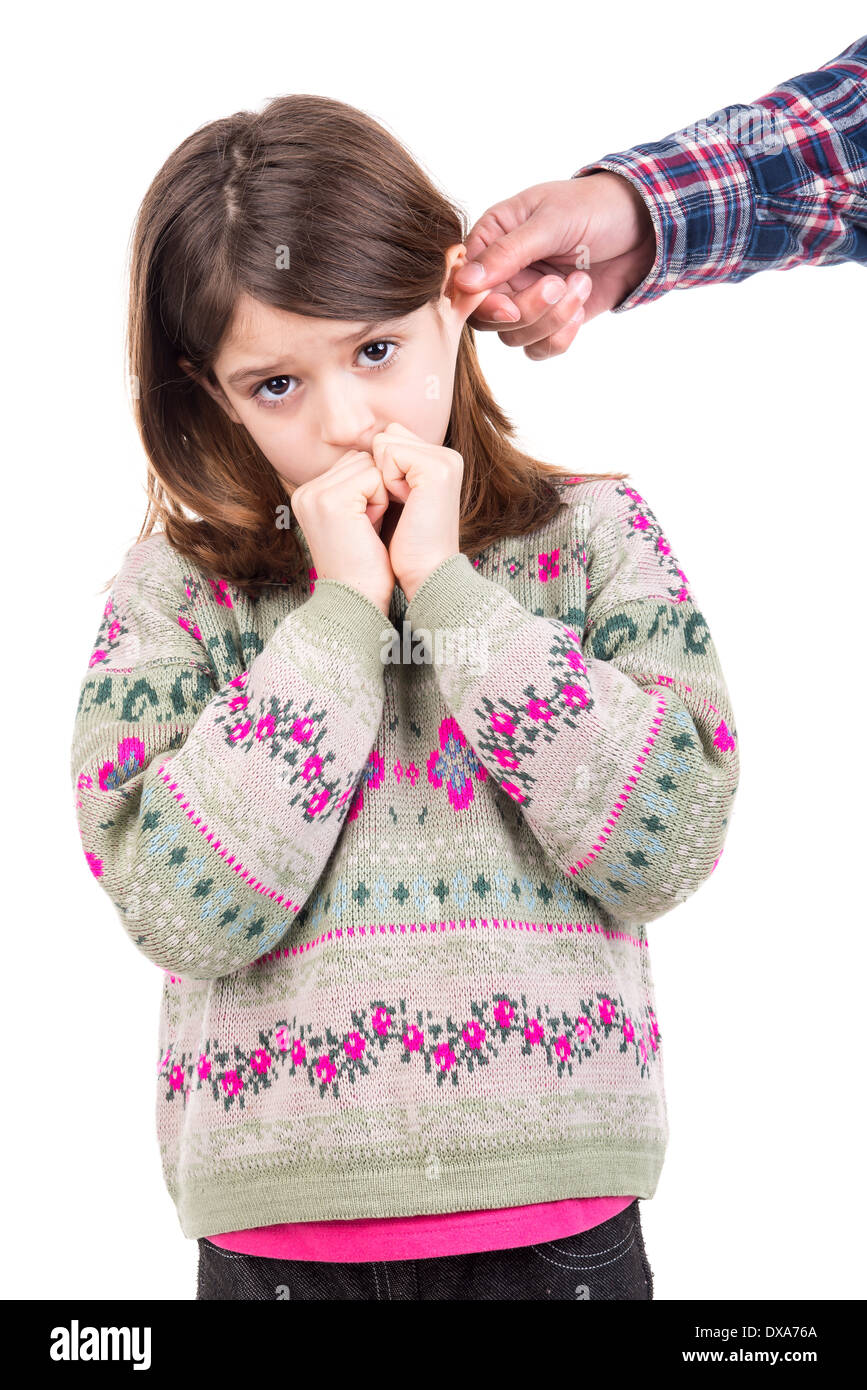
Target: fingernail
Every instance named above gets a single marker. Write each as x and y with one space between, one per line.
509 315
471 273
552 291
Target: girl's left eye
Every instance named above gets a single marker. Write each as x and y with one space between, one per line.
287 395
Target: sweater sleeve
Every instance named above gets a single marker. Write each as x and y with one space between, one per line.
616 740
207 810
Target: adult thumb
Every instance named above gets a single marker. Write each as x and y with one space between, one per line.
504 257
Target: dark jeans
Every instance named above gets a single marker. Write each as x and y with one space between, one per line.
607 1262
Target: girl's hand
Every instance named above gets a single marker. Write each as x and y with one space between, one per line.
427 479
338 512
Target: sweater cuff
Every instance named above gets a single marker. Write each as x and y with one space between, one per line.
350 622
453 595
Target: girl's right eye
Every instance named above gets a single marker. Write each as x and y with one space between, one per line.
266 385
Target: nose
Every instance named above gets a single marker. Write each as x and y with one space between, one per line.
345 419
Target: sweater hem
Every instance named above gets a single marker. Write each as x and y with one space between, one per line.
279 1194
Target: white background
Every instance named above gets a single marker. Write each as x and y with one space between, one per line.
737 409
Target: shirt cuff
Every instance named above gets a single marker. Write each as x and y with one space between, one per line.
698 189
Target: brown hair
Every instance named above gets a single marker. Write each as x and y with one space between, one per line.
367 232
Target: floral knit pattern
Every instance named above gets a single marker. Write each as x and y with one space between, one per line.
400 909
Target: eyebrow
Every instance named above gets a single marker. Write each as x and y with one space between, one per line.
249 373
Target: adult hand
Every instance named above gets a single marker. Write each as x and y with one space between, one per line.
555 256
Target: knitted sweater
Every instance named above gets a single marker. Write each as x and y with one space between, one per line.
401 905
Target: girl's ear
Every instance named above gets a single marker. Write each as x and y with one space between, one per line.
213 389
461 303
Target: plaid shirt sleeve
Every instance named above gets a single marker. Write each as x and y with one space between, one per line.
778 183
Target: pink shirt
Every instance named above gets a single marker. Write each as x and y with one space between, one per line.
418 1237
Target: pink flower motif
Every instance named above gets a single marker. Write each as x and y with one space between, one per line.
630 492
574 695
375 776
654 1026
95 864
628 1030
643 1050
413 774
221 592
534 1032
722 737
98 655
502 724
654 1044
576 661
265 726
113 631
640 522
232 1083
413 1039
583 1028
571 633
299 1052
539 709
318 802
454 763
239 702
312 767
203 1067
194 630
514 792
176 1078
131 750
302 729
473 1034
506 758
444 1058
381 1021
109 607
355 805
562 1047
240 731
130 760
281 1037
260 1060
503 1013
607 1011
662 544
549 565
354 1045
325 1069
240 680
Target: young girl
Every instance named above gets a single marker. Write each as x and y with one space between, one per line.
392 742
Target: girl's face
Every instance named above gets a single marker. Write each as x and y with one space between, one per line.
309 389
